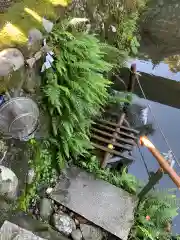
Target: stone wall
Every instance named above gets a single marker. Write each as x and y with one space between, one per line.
160 29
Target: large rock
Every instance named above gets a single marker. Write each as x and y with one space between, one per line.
8 183
11 59
32 81
45 208
91 233
34 36
64 223
35 42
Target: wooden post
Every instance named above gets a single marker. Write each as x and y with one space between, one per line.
132 78
130 88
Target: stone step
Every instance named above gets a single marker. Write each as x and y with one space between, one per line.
101 203
11 231
38 228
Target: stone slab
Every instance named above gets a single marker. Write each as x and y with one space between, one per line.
105 205
10 231
39 228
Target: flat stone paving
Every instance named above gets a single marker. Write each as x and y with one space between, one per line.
10 231
103 204
43 230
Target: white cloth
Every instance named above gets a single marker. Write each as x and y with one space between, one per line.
48 62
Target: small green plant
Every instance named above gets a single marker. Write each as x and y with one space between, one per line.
126 18
153 215
45 174
126 37
177 237
120 179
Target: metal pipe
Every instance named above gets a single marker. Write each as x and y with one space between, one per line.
162 161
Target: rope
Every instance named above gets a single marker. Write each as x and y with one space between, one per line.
143 160
141 154
160 129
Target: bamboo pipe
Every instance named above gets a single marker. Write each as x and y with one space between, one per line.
162 162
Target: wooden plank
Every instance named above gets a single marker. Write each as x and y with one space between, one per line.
120 133
117 125
112 113
130 142
110 141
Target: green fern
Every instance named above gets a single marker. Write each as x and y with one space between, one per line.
124 180
160 207
75 89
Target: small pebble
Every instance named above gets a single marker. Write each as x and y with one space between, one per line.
30 176
61 207
36 211
49 190
31 210
71 214
81 219
61 212
76 234
55 208
76 222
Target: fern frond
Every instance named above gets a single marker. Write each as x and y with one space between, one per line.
161 211
60 160
75 89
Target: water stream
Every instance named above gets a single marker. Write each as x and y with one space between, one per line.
168 118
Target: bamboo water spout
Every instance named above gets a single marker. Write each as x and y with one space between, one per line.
162 162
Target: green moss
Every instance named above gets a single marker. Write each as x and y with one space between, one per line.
24 15
122 179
